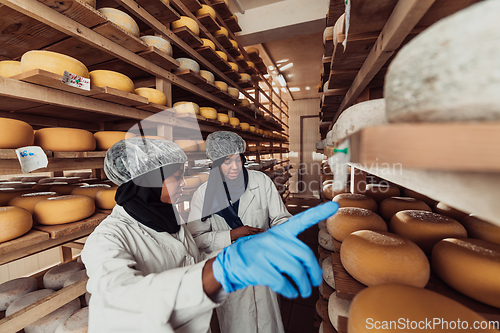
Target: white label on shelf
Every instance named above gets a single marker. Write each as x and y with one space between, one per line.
31 158
347 19
76 81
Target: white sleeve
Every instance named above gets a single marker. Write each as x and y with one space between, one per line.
278 213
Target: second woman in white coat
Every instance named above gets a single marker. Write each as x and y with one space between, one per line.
234 203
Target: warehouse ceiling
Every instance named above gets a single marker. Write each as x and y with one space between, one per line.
291 33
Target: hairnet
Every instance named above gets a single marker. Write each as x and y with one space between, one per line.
223 143
127 159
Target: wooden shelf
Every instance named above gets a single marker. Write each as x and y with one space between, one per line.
232 24
161 11
192 5
120 37
208 53
222 9
160 58
188 37
197 80
233 51
224 41
233 75
208 22
222 65
118 96
245 84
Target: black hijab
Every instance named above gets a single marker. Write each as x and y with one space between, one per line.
140 197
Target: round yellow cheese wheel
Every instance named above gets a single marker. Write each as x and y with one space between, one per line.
10 68
66 188
209 43
187 145
250 64
234 43
186 107
425 228
245 126
234 121
383 308
188 22
203 176
252 50
223 118
252 129
202 145
355 200
153 95
6 194
205 9
104 78
221 31
65 180
192 182
121 19
160 43
374 257
245 77
381 192
14 222
234 17
209 113
65 139
412 194
15 134
350 219
89 190
14 289
221 54
106 139
244 102
222 85
240 57
29 200
186 63
442 208
233 92
52 62
471 266
234 66
480 229
209 76
63 209
391 206
105 198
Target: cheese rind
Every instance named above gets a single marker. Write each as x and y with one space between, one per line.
158 42
186 107
78 322
234 121
381 192
444 209
54 278
106 139
350 219
14 222
337 307
325 240
222 85
15 134
105 198
14 289
209 113
223 118
391 206
188 22
209 76
187 145
63 209
52 62
121 19
28 201
479 229
10 68
153 95
89 190
112 79
355 200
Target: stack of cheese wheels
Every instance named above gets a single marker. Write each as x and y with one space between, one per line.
252 129
223 118
233 92
205 9
208 43
379 306
187 22
89 190
192 182
66 188
222 85
480 229
234 121
67 180
221 31
105 78
251 64
412 194
52 62
65 139
328 274
329 192
233 42
187 145
15 134
350 219
203 176
54 278
209 113
14 222
75 276
391 206
380 192
337 307
444 209
252 50
9 68
121 19
471 266
209 76
202 145
355 200
240 57
106 139
14 289
245 77
234 66
425 228
245 126
78 322
28 201
50 322
63 209
6 194
374 257
187 64
160 43
325 240
153 95
186 107
222 55
105 198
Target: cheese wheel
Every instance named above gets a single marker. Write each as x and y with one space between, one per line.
10 68
444 209
350 219
52 62
245 77
374 257
425 228
192 182
153 95
251 64
233 92
326 182
54 278
209 76
65 139
380 192
221 31
203 176
186 107
75 277
27 300
187 22
355 200
29 200
66 180
234 121
240 57
66 188
159 42
205 9
328 274
252 129
322 224
245 126
233 42
186 63
6 194
325 240
17 185
78 322
412 194
209 43
234 66
221 54
381 305
14 222
329 192
14 289
223 118
244 102
209 113
15 134
471 266
391 206
187 145
104 78
337 307
106 139
121 19
89 190
82 174
480 229
63 209
105 198
252 50
222 85
202 145
29 179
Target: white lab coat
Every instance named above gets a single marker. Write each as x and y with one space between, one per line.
144 281
253 309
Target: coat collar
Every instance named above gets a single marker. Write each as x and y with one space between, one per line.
249 195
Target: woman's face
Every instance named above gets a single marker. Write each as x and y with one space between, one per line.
172 187
231 167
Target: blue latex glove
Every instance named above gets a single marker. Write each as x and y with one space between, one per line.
266 258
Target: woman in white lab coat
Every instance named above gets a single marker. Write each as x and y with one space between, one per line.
235 203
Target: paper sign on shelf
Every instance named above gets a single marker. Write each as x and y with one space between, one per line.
76 81
347 20
31 158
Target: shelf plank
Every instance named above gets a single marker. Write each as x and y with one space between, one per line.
222 8
245 84
118 96
224 41
8 167
208 53
221 65
78 11
120 36
234 52
159 58
336 9
342 324
192 5
153 107
10 154
322 308
346 286
197 80
188 37
58 231
208 22
78 154
233 75
81 51
232 24
32 237
160 10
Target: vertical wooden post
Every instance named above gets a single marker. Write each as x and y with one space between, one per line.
166 87
65 254
358 181
165 131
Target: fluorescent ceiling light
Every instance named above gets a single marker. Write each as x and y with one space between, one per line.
282 60
287 66
273 83
270 68
276 89
308 88
267 76
274 72
281 80
294 89
290 75
283 90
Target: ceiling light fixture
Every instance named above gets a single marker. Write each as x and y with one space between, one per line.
283 90
282 60
287 66
276 89
308 88
281 80
294 89
270 68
